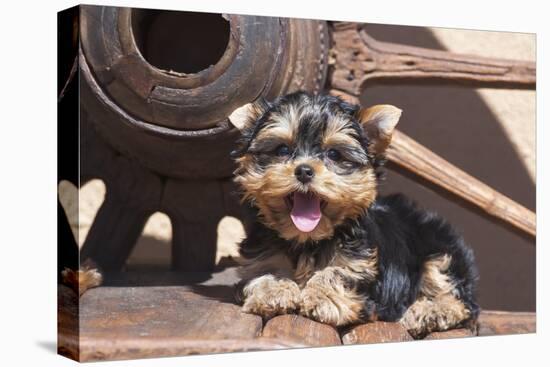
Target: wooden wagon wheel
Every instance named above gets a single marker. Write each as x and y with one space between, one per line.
150 119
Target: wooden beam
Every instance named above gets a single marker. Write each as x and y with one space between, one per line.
502 323
358 58
412 156
117 321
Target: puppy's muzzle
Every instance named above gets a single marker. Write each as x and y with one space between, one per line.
304 173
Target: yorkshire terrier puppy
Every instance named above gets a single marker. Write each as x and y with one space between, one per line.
325 245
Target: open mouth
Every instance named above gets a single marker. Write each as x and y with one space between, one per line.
305 210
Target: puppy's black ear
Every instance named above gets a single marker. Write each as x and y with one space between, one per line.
245 116
378 122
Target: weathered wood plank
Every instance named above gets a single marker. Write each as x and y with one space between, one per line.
300 329
100 349
179 314
162 312
135 322
376 332
67 322
450 334
502 323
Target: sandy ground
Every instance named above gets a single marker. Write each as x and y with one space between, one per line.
513 109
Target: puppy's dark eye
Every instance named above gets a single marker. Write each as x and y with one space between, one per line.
334 155
282 150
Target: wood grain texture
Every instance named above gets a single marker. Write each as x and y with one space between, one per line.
68 328
156 318
503 323
139 315
376 332
358 58
300 329
412 156
158 116
450 334
98 349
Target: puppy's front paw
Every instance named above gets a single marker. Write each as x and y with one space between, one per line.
439 314
267 296
421 325
329 306
318 306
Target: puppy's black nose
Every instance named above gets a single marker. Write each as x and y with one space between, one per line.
304 173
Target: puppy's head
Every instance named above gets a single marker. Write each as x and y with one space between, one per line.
307 162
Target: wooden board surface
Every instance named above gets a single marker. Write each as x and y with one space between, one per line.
139 315
376 332
300 329
450 334
502 323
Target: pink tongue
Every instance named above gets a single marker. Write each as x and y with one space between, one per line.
306 211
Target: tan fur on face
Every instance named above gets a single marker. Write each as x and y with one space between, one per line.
326 299
346 196
283 128
268 296
287 120
338 132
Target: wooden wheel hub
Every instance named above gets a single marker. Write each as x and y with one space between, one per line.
172 97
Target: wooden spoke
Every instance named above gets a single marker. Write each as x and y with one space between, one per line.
408 154
358 58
